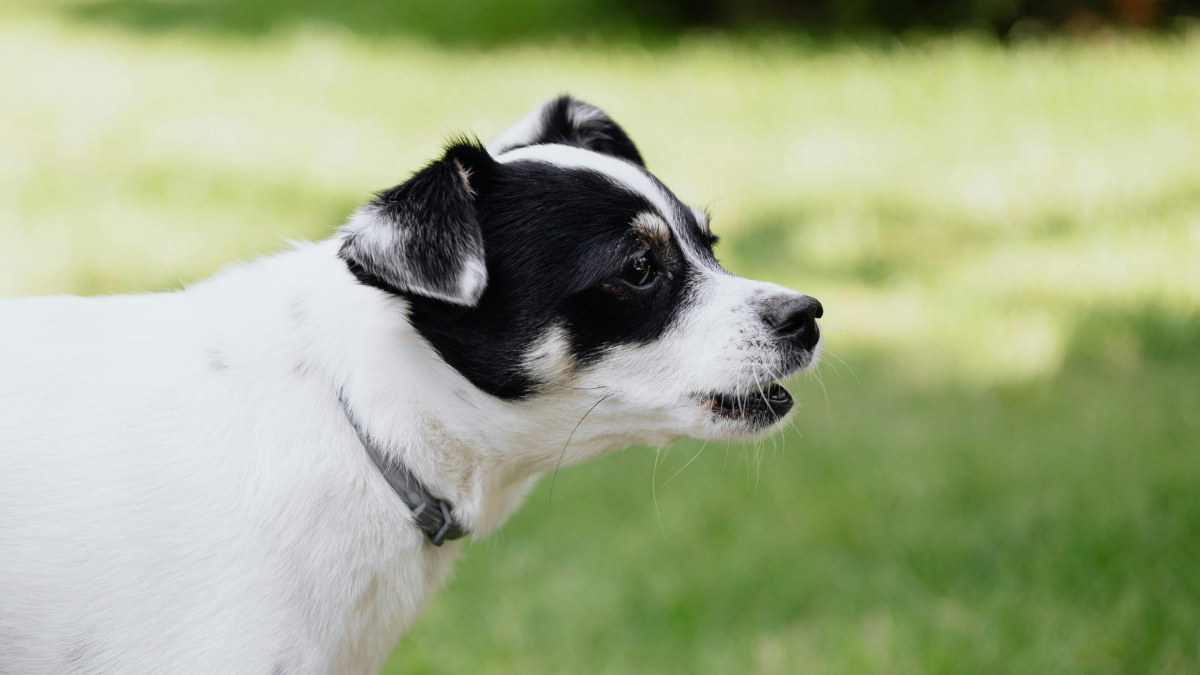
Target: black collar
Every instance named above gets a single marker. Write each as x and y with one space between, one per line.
434 516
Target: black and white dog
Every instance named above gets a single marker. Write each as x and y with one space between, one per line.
257 474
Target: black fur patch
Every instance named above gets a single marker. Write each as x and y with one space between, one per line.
429 225
556 240
569 121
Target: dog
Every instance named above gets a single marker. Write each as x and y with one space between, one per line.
270 471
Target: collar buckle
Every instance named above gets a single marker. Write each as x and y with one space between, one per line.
432 515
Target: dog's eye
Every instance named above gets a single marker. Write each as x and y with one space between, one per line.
639 271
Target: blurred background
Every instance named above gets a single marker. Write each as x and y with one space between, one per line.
995 470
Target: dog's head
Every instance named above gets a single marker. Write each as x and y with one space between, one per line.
552 261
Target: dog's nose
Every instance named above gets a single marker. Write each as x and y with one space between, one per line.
794 318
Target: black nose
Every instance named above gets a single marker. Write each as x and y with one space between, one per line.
795 319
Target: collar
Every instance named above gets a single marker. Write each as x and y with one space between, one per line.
432 515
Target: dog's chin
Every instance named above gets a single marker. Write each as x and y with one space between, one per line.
746 415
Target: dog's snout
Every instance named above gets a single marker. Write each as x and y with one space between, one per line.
794 319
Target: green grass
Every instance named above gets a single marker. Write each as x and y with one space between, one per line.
1043 528
998 471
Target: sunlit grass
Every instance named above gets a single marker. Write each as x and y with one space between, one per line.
940 195
1007 242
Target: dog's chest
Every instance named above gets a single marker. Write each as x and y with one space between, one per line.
355 571
381 605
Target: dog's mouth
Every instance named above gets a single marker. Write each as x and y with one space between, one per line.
758 407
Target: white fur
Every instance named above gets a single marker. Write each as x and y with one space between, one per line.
180 490
652 226
376 236
622 172
522 132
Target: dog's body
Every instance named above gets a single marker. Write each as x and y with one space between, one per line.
183 481
183 495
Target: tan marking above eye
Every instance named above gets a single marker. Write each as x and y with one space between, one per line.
653 228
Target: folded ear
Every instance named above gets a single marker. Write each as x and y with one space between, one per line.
568 121
422 237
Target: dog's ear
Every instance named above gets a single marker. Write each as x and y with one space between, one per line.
422 237
568 121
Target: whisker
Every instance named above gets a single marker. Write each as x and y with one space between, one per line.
739 399
758 459
554 478
728 194
845 364
831 365
689 463
758 385
821 381
654 491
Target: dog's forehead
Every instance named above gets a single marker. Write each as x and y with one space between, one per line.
682 220
624 173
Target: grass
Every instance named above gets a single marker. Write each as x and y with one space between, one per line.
1036 528
997 475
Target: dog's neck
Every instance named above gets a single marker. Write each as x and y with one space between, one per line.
478 452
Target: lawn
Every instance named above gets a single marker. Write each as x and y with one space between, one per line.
997 468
